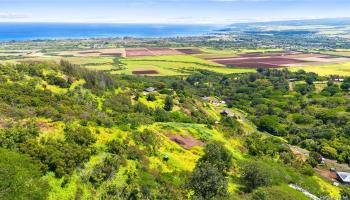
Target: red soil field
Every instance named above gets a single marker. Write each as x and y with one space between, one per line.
277 53
138 52
88 52
163 51
145 72
189 51
111 54
150 52
268 62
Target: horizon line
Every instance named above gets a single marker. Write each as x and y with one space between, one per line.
243 21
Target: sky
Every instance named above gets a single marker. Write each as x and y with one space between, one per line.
170 11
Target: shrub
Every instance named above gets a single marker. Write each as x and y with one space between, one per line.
255 174
207 181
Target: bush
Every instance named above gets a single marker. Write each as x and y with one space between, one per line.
314 158
302 119
271 125
218 156
79 135
105 170
208 182
58 81
169 103
255 174
151 97
20 178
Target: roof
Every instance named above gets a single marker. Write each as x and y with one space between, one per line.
150 89
205 98
344 176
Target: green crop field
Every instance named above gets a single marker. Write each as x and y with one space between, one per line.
175 65
342 69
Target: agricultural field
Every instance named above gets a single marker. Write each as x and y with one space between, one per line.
341 69
174 65
182 61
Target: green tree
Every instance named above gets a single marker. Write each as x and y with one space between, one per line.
20 178
79 135
151 97
217 155
169 103
208 182
314 158
255 174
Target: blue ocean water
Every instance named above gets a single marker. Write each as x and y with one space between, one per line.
34 31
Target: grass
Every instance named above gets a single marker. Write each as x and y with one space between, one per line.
175 65
342 69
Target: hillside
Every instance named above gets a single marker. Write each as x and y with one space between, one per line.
78 134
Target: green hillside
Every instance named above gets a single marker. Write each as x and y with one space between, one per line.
67 132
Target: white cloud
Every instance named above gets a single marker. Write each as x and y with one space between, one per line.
12 16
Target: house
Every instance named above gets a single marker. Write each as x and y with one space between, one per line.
150 89
344 177
339 80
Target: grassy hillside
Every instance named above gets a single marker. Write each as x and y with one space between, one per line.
91 135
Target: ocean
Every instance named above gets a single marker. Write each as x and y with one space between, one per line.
36 31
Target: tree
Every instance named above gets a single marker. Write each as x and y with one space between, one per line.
271 125
255 174
218 156
148 138
310 80
79 135
207 181
331 90
314 158
169 103
345 86
151 97
105 169
20 178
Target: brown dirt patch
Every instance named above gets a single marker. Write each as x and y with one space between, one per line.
187 142
163 51
138 52
326 174
277 59
268 62
45 127
145 72
88 52
269 54
111 54
189 51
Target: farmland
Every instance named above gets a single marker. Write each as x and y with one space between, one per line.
182 61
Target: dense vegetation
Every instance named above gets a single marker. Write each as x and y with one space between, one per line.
80 134
309 111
